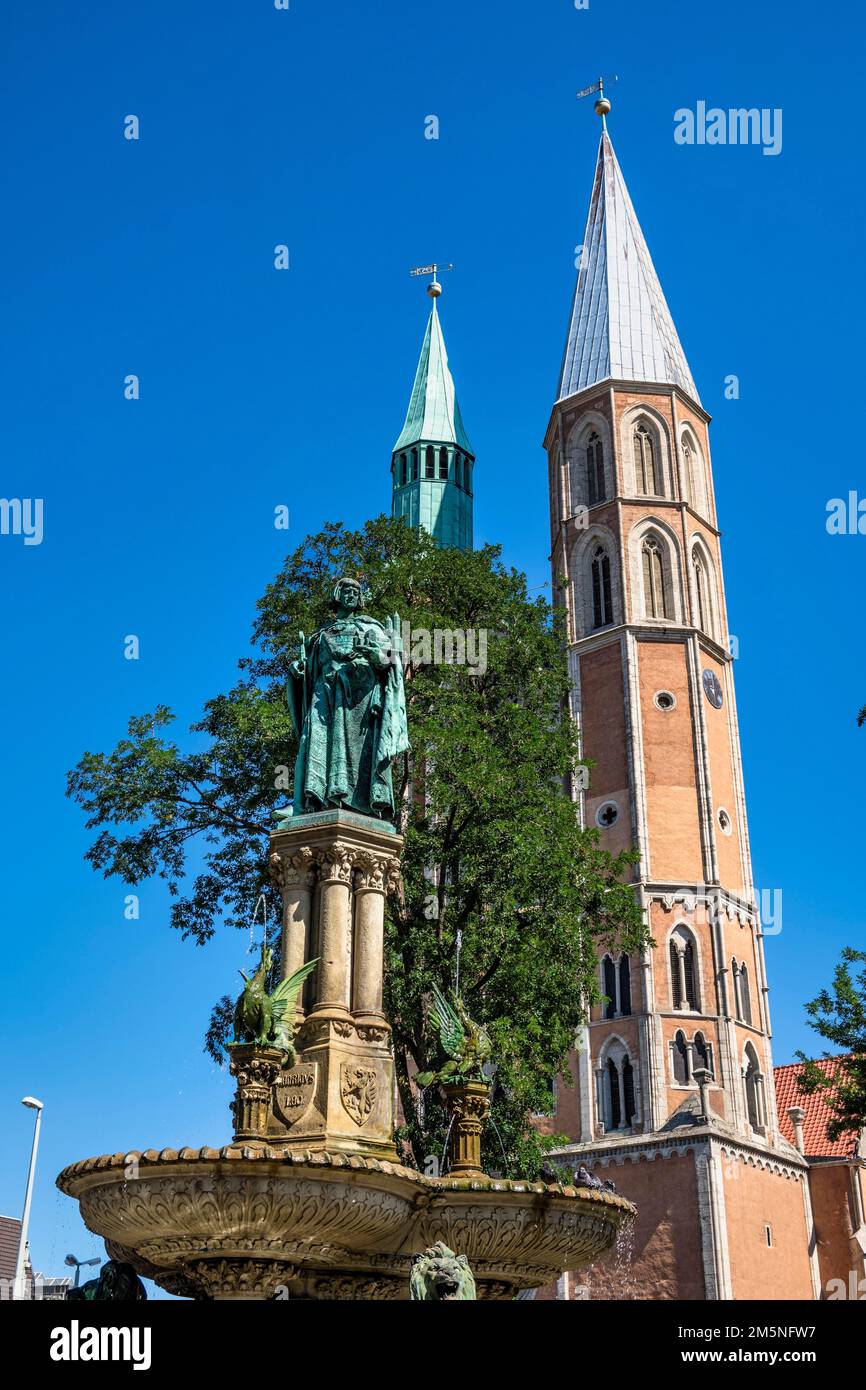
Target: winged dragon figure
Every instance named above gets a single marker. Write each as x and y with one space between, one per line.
269 1019
466 1044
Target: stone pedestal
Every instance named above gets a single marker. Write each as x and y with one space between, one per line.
334 870
468 1106
255 1069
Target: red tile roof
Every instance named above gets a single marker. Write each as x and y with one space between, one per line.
817 1110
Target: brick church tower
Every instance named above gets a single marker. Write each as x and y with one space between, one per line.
673 1079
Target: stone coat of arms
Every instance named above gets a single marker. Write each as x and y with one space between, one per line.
358 1086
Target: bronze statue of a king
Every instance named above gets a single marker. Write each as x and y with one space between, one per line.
348 708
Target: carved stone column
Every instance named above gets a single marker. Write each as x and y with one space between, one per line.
335 928
294 876
376 875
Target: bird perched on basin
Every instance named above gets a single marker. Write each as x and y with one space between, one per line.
584 1178
268 1019
466 1044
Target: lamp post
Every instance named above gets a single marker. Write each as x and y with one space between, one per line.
18 1290
78 1265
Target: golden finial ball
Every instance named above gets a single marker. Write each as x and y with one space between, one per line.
434 289
602 106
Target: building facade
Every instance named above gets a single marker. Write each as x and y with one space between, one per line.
673 1078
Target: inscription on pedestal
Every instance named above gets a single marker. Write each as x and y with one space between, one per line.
294 1090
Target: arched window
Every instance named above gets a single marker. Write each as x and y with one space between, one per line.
624 985
458 470
685 991
702 598
430 462
681 1058
655 592
703 1053
609 971
695 478
754 1087
403 471
614 1095
414 465
602 602
467 475
745 1001
595 489
645 465
443 464
628 1090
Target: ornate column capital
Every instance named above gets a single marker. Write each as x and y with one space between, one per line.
294 870
379 872
335 864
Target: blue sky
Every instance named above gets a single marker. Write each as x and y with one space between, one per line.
259 387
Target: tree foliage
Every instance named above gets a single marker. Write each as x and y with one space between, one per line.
501 882
839 1015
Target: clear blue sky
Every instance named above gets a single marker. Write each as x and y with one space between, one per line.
261 387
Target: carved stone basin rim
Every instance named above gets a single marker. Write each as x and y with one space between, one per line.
209 1216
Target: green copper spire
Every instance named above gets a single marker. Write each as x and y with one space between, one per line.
432 461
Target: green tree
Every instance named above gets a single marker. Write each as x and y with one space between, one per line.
519 892
840 1017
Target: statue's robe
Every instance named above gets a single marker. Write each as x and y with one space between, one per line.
350 718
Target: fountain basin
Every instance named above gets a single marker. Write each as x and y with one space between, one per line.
258 1221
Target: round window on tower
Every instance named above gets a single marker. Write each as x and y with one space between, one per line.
664 700
725 823
607 815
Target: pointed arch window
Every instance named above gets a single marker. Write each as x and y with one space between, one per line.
403 470
628 1090
703 1053
624 985
745 1001
655 591
414 465
609 972
602 602
753 1082
443 464
680 1058
645 463
595 488
685 991
702 592
429 462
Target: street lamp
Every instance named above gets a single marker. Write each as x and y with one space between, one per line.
78 1265
18 1290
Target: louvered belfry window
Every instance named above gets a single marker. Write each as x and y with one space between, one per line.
701 594
595 489
681 1059
602 605
676 992
691 976
443 464
655 594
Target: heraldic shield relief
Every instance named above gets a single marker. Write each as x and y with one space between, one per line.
358 1086
293 1091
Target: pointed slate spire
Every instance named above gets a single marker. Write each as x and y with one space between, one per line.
433 414
621 326
432 463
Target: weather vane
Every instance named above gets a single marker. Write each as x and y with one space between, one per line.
434 289
602 106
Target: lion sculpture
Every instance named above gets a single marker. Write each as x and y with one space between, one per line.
440 1276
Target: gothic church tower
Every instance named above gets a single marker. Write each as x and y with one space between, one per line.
674 1077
